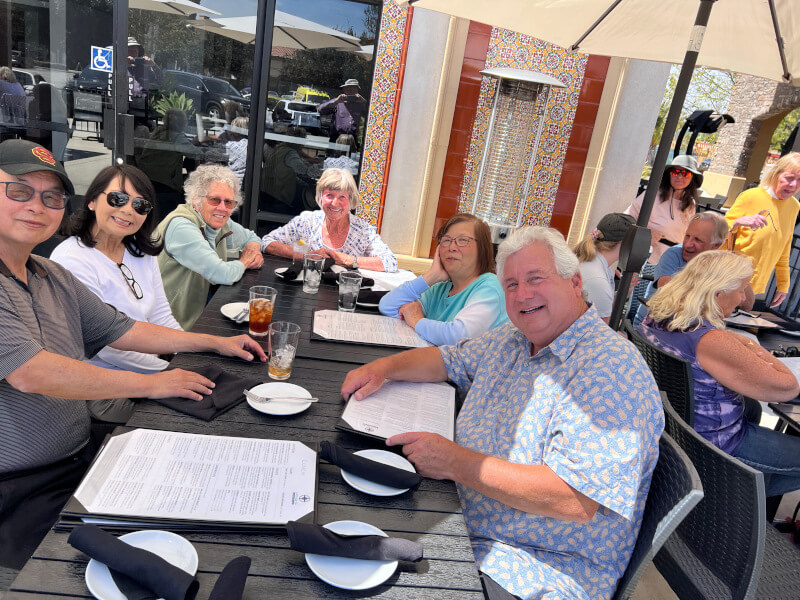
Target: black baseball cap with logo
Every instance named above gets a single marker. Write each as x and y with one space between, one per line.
20 157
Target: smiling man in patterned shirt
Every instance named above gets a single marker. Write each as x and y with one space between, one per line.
558 435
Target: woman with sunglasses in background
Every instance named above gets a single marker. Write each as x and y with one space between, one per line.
459 296
111 250
674 206
763 219
199 237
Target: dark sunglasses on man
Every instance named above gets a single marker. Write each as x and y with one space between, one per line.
120 199
22 192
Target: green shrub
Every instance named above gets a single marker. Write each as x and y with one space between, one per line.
173 100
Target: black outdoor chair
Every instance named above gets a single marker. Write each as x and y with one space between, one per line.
673 375
640 289
725 548
675 490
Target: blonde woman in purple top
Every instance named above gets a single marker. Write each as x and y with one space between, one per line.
686 319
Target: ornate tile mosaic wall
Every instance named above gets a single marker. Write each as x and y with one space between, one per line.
511 49
384 87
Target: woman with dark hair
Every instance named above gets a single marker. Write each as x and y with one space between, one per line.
111 250
459 296
674 206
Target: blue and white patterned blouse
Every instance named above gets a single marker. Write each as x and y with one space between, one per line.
362 238
587 407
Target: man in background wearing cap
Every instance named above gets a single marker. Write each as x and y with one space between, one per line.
50 322
706 231
348 108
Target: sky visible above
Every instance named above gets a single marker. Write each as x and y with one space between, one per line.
338 14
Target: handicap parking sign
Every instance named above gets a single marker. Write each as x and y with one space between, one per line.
102 59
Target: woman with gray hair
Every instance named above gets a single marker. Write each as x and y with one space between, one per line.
198 238
333 231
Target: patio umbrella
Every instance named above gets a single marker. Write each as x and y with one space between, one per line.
758 37
289 32
174 7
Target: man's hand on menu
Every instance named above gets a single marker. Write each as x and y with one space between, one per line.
411 313
242 346
431 454
363 381
179 383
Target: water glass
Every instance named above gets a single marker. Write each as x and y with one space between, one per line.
262 303
349 284
283 340
312 272
299 249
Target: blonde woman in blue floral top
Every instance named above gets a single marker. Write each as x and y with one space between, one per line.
558 435
333 231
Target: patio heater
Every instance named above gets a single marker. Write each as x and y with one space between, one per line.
515 128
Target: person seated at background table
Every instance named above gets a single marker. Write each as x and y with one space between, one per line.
9 84
198 239
333 231
707 231
236 146
674 206
459 296
51 323
111 250
542 494
596 253
686 319
288 174
769 245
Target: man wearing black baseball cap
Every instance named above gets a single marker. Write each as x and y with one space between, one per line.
50 322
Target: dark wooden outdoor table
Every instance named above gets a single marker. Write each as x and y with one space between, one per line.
788 412
431 514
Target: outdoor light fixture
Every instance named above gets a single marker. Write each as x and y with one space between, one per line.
509 151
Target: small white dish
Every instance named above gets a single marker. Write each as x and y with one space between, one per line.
234 308
276 389
366 304
378 489
351 573
790 332
173 548
281 270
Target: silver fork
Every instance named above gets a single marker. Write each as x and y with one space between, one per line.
242 314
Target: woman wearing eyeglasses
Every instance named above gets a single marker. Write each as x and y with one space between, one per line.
763 221
459 296
198 238
674 206
111 250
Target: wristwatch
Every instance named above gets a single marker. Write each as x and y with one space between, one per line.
355 261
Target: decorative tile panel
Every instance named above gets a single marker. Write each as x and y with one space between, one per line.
510 49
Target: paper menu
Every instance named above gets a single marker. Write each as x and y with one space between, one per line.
366 329
400 406
743 320
168 475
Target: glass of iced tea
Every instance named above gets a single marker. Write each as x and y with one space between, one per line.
262 303
283 340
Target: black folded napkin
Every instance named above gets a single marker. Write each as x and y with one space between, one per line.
332 278
370 296
230 583
315 539
291 273
228 392
368 469
143 567
130 588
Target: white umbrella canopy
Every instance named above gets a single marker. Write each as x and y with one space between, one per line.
175 7
289 32
740 35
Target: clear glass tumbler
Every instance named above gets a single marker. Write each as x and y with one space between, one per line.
283 340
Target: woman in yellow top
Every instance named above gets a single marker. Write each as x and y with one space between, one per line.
763 220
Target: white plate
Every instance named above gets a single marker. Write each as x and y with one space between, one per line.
366 304
173 548
278 388
377 489
281 270
233 309
351 573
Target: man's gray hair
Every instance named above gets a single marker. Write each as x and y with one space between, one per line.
565 261
201 179
720 230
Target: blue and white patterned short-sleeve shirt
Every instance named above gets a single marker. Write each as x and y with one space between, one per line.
587 407
362 238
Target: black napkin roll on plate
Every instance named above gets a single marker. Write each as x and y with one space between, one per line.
368 469
315 539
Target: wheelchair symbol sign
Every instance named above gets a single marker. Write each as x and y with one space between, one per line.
102 59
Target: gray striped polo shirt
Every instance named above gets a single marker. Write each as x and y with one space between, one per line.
53 312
